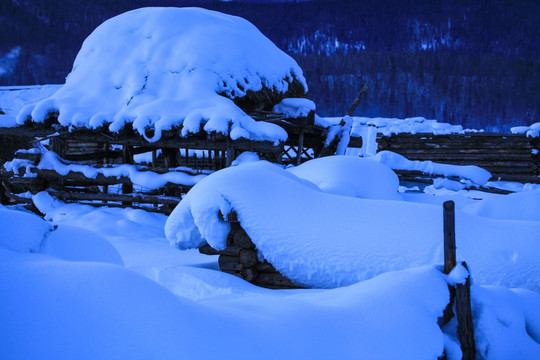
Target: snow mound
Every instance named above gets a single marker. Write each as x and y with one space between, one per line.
245 157
162 67
350 176
325 240
518 206
75 244
53 309
28 233
499 315
22 232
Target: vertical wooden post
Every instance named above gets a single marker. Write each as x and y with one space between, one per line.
461 293
449 236
171 156
279 154
106 148
300 146
449 256
231 155
127 158
57 145
154 159
465 327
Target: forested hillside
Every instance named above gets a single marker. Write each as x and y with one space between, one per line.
470 63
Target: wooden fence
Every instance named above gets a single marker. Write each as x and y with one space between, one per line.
508 157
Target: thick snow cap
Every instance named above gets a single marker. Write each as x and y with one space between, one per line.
163 67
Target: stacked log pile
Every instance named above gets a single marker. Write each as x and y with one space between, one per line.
509 157
240 258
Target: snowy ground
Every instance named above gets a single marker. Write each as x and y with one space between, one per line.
107 284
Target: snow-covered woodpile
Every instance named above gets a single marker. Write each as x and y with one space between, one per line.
240 258
508 157
292 219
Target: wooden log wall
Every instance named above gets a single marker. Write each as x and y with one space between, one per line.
508 157
240 259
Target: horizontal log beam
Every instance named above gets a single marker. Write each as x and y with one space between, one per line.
128 137
137 198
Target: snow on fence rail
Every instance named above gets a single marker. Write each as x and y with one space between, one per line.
33 172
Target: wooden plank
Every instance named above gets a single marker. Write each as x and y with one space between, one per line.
137 198
528 165
533 179
466 156
129 137
18 199
468 146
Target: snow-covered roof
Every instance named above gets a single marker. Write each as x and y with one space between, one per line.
163 67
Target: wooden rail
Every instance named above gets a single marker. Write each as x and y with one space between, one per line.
509 157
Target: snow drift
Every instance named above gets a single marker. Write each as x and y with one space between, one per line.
163 67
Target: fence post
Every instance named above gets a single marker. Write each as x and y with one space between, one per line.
465 327
461 293
449 256
449 224
127 158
